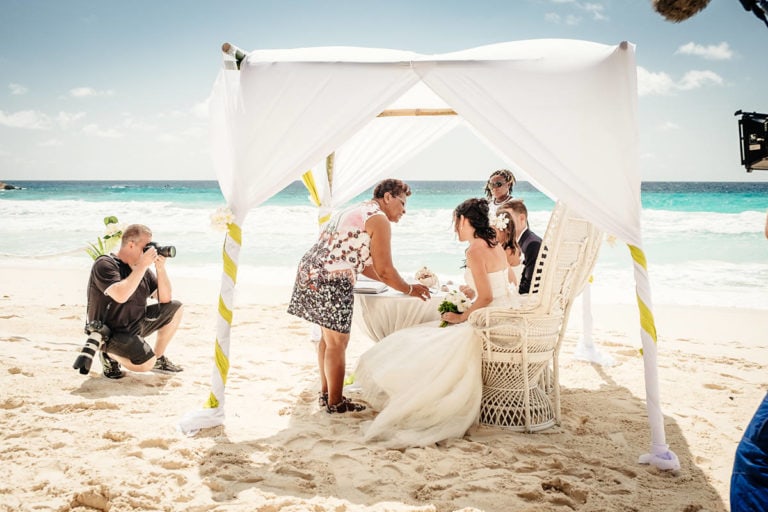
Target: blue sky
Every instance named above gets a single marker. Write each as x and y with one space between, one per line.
117 90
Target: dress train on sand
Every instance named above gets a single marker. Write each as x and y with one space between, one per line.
426 380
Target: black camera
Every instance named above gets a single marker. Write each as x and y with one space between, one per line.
98 333
168 251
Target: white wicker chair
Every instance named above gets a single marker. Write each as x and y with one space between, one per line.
521 388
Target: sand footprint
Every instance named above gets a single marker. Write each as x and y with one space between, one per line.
156 443
80 406
11 403
116 436
14 338
569 490
98 499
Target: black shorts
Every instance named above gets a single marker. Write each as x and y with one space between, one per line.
133 346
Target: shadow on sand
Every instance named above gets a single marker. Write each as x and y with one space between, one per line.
589 463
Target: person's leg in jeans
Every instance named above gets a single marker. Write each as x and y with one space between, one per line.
749 481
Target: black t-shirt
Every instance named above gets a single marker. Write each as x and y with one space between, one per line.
125 317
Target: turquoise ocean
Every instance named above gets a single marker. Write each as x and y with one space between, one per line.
704 241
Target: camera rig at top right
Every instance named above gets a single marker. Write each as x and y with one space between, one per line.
753 133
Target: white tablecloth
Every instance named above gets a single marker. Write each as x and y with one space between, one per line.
380 314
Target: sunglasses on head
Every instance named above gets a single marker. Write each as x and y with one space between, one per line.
497 184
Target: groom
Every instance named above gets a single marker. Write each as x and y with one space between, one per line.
529 242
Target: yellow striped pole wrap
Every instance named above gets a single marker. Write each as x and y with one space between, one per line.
213 411
661 456
230 256
643 291
309 181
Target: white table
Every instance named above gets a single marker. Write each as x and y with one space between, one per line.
380 314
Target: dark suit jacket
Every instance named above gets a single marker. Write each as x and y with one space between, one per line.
530 243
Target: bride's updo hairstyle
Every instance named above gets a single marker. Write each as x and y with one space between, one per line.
475 210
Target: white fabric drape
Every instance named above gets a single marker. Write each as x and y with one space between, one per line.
378 150
382 146
563 111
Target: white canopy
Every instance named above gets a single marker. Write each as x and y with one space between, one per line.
563 111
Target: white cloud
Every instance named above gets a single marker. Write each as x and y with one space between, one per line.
17 89
64 119
85 92
595 10
649 83
570 19
35 120
696 79
29 119
51 143
95 131
131 123
721 51
653 83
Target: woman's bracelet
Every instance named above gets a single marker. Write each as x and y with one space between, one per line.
410 289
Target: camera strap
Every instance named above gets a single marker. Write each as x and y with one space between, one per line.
111 300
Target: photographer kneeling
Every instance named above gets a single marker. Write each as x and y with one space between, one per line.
118 289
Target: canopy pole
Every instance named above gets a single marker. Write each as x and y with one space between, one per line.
329 161
660 455
212 414
402 112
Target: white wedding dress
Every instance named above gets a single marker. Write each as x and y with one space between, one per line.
425 380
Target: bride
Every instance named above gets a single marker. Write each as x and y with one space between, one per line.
425 380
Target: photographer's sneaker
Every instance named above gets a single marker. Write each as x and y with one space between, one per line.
164 365
111 367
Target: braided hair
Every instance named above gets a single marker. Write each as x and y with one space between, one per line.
475 210
502 173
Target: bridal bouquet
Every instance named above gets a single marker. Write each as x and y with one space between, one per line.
427 277
454 302
105 243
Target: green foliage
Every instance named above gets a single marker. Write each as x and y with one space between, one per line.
447 307
108 241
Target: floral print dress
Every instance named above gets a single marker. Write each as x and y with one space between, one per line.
323 291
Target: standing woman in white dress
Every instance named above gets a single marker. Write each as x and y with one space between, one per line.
426 380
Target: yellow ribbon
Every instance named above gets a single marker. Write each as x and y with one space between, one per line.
647 322
234 232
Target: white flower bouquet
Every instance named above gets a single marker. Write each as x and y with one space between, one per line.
454 302
427 278
222 218
112 235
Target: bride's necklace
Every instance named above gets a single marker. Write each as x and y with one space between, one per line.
500 201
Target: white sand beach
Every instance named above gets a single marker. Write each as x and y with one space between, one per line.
73 442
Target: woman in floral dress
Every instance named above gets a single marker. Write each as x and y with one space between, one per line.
356 240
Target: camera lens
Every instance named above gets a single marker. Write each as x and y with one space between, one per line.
168 251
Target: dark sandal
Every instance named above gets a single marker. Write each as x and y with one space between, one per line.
322 399
346 405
